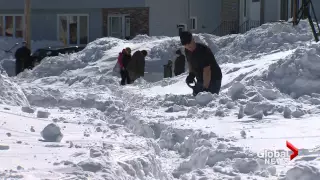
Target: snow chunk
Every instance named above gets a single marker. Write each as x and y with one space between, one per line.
204 98
4 147
52 133
241 112
91 165
303 172
11 93
27 109
246 165
236 90
43 114
287 113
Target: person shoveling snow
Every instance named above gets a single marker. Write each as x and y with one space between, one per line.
202 66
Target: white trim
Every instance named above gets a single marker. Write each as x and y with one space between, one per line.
245 10
68 28
195 23
123 23
127 29
13 24
242 17
108 24
279 9
289 9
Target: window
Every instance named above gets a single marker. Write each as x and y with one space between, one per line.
18 26
11 25
119 26
193 23
73 29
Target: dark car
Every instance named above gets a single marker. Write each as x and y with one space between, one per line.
40 54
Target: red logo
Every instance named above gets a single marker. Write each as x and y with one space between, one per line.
294 150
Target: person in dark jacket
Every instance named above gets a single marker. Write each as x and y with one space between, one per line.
137 65
123 59
179 63
202 65
23 58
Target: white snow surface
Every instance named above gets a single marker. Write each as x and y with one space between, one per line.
155 128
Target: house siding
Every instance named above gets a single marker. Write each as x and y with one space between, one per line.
316 6
271 10
71 4
44 22
208 14
165 15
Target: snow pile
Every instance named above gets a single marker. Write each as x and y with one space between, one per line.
268 38
305 172
100 56
11 93
298 74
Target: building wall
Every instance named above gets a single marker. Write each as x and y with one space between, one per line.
71 4
316 6
255 11
44 23
271 10
208 13
139 19
165 15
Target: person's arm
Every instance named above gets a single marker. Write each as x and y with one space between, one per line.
207 58
190 67
206 76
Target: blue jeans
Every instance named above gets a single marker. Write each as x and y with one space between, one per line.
214 87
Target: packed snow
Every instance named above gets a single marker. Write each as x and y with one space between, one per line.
69 118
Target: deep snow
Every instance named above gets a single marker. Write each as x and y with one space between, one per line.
155 129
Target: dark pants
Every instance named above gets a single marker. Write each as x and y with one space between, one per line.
19 66
125 78
214 87
177 73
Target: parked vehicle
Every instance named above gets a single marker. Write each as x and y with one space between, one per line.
41 53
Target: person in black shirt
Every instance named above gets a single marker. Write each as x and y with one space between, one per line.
202 65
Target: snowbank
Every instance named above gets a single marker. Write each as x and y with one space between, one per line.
298 74
11 93
268 38
100 56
